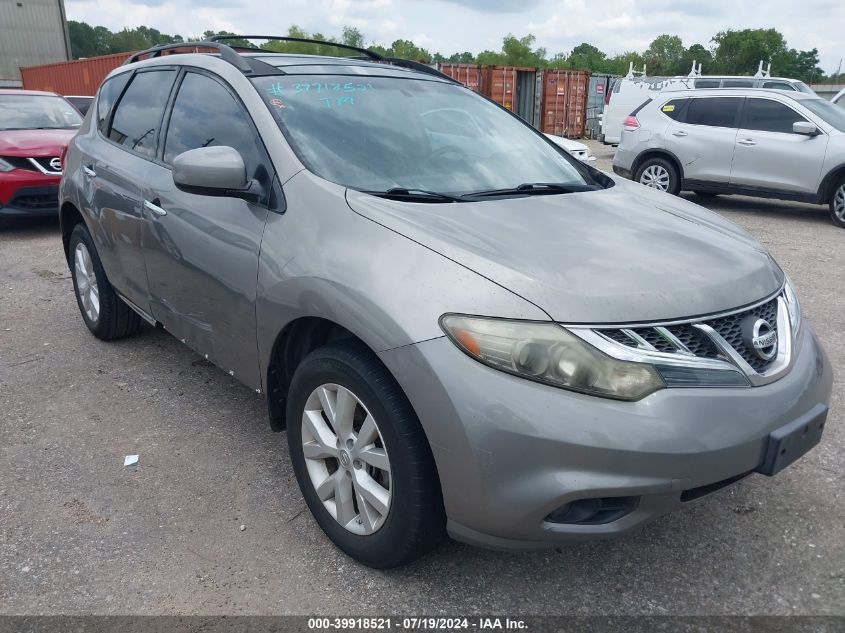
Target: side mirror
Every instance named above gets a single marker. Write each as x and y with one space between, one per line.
806 128
213 171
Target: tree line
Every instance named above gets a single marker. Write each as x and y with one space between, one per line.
731 52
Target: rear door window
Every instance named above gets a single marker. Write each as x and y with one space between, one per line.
713 111
136 120
770 116
109 93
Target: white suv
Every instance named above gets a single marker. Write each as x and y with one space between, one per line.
767 143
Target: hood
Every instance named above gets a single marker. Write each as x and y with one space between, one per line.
34 143
620 255
566 143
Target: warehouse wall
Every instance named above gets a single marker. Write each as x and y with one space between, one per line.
32 32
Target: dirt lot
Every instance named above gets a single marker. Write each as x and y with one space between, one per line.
79 533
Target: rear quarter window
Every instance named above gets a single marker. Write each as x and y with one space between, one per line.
674 109
109 93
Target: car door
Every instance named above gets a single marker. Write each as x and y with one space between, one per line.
201 251
116 158
703 138
769 155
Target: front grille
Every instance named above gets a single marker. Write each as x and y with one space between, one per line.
45 163
729 328
688 340
19 162
35 198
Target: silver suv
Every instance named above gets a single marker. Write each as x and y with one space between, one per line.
464 328
766 143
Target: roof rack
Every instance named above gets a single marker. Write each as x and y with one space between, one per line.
250 66
279 38
226 52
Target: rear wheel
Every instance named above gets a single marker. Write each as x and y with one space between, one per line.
660 174
361 458
837 205
105 314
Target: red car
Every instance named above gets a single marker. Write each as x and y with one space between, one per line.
35 128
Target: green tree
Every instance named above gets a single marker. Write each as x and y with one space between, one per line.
740 52
665 55
698 54
584 57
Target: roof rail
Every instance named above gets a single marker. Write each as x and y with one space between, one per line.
248 65
419 66
279 38
226 52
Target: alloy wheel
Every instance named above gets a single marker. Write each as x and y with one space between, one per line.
656 177
346 459
839 203
86 282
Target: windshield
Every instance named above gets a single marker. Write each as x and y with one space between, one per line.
30 112
379 133
827 111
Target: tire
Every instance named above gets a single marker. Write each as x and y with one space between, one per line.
660 174
414 522
108 317
706 194
837 204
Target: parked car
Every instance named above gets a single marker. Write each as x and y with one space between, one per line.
462 333
767 143
629 93
80 103
34 130
576 148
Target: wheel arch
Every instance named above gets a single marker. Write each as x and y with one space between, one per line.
657 153
69 217
829 182
293 343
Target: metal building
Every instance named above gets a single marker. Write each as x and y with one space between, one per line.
32 32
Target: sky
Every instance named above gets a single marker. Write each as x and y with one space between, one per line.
450 26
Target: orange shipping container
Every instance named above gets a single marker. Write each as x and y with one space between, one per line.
565 102
501 84
77 77
469 75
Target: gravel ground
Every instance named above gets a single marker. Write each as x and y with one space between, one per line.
80 534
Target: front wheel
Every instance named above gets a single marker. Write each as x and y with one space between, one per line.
660 174
361 458
837 205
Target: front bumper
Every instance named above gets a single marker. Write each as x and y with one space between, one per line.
25 193
509 451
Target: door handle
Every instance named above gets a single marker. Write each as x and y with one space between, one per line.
89 171
747 141
679 133
154 208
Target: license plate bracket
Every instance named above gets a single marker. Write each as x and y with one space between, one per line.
791 441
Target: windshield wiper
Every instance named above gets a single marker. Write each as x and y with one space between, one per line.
415 195
531 189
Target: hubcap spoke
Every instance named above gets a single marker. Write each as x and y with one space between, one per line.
376 457
346 460
839 203
86 282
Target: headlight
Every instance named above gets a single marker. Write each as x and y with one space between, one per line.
548 353
792 305
5 165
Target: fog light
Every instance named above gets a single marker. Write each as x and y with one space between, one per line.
596 511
